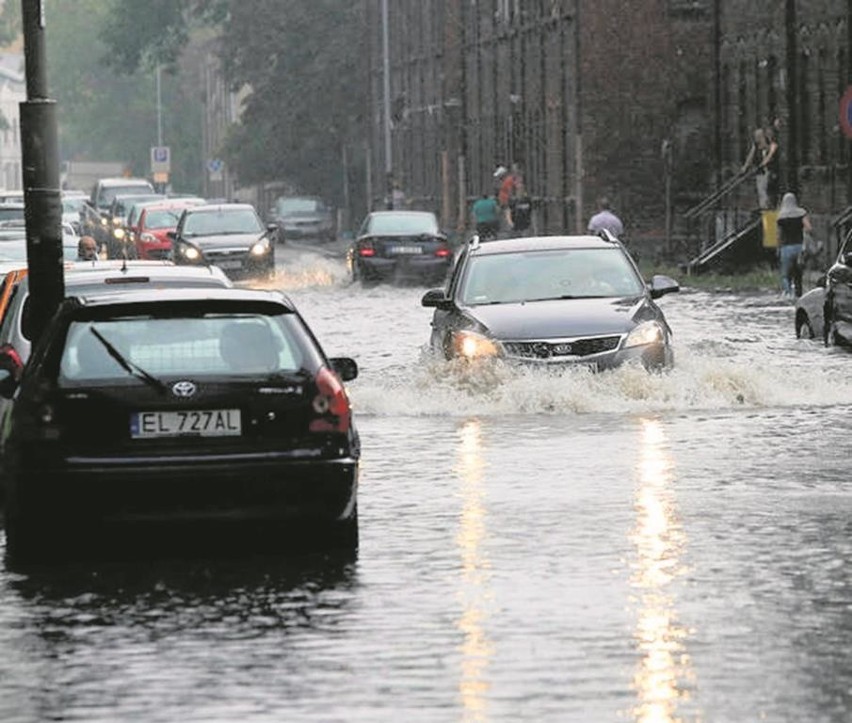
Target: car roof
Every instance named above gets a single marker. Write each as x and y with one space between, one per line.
80 273
402 213
541 243
122 181
188 294
218 207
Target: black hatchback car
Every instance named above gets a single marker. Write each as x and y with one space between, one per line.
229 235
400 246
178 407
551 300
837 308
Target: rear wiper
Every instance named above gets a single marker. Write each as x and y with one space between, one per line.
128 366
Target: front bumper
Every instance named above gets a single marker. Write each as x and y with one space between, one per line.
266 487
547 355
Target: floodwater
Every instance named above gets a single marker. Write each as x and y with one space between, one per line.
542 547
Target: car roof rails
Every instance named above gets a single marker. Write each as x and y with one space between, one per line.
474 241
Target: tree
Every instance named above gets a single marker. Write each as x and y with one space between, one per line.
301 60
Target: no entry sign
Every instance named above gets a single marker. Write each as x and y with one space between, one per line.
846 112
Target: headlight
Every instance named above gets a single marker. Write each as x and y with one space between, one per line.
260 248
648 332
117 221
190 253
118 233
470 345
148 238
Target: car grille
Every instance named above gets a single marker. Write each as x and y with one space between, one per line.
215 255
158 254
569 348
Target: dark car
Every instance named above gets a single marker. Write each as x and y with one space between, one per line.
119 242
838 297
551 300
810 308
229 235
303 217
398 246
181 408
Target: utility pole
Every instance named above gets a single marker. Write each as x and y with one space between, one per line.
40 155
792 96
386 101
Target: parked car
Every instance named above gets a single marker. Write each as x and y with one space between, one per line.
229 235
810 308
178 407
400 245
303 217
838 297
551 300
88 277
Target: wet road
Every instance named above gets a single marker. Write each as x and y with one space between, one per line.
533 547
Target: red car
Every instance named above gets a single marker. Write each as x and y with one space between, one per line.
154 223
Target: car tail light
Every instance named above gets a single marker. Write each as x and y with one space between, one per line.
442 252
331 404
366 250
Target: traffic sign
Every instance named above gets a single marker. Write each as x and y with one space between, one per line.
215 166
161 159
846 112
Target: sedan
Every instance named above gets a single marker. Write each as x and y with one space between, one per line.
178 410
400 245
303 217
229 235
551 301
810 308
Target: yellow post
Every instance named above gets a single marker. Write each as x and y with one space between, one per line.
770 228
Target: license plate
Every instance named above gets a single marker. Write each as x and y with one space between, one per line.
406 250
229 264
188 423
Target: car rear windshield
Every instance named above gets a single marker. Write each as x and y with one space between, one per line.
221 222
289 206
408 224
211 344
108 194
552 274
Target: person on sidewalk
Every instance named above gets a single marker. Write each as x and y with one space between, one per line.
793 224
605 219
486 216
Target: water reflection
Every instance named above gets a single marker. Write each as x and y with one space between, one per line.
475 591
664 675
189 631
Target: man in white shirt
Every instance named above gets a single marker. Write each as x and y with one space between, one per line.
606 219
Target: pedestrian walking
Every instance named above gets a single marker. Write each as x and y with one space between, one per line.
793 225
520 209
486 216
763 161
606 220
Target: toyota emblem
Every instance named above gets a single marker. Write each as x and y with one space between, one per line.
184 389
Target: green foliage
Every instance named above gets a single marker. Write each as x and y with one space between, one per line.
113 117
303 62
10 21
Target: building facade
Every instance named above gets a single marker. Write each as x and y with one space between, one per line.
13 92
584 95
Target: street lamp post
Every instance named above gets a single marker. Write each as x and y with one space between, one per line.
40 166
386 101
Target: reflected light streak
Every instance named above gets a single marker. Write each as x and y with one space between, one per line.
474 592
664 676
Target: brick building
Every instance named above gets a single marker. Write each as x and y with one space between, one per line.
582 93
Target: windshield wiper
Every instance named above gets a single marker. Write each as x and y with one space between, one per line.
128 366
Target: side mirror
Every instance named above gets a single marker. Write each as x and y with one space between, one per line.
346 368
272 227
8 384
436 299
171 235
662 285
846 259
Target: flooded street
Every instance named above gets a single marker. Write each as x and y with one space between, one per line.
534 546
